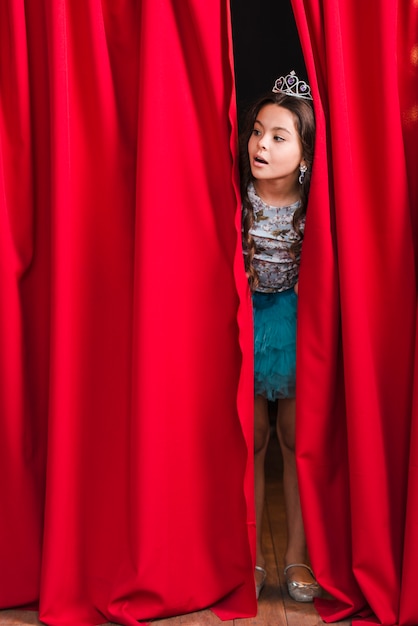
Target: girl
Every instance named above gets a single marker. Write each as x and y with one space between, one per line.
277 145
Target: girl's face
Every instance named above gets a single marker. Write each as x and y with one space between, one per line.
274 148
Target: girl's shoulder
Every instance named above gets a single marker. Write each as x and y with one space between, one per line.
256 202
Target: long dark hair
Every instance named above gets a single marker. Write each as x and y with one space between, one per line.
305 126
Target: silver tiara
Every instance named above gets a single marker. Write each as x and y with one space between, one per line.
292 86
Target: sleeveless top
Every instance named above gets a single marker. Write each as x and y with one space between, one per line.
273 235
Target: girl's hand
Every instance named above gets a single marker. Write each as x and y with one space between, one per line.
296 288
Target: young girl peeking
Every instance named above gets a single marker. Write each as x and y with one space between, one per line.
277 145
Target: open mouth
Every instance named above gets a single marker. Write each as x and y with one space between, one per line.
260 160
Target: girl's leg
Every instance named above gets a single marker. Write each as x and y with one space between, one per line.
261 439
296 542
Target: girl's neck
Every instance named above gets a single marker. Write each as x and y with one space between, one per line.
276 195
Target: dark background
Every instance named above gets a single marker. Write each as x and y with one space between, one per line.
266 46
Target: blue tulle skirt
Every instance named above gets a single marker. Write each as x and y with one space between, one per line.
275 344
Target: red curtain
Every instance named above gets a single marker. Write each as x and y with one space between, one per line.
357 408
125 322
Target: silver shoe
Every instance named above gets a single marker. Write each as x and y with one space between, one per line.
259 587
302 592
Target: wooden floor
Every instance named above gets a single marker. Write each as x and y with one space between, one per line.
275 607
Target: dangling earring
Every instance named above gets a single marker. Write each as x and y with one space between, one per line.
302 169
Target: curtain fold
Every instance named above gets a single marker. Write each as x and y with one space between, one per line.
125 318
357 313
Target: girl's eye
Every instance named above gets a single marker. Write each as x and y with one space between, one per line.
277 138
256 132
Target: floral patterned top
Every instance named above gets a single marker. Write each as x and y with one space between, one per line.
273 235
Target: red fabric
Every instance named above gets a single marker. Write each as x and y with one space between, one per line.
125 377
356 421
